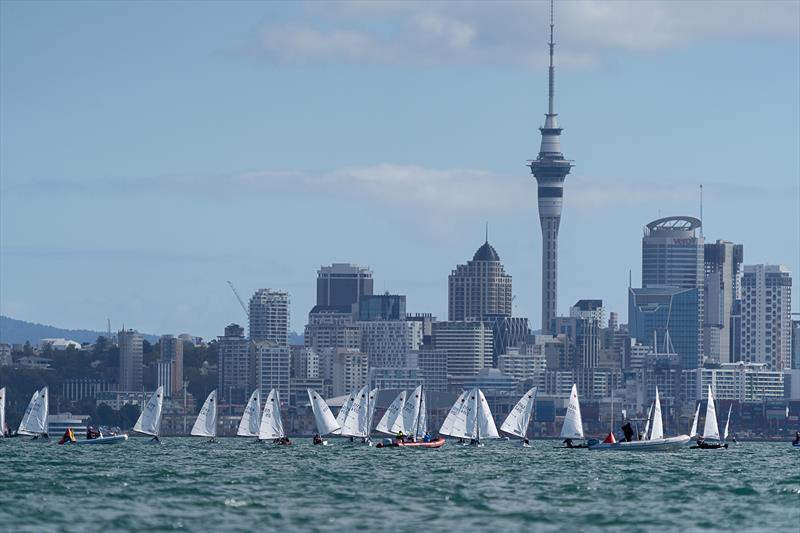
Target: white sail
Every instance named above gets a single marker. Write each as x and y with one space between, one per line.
392 420
422 421
34 422
517 421
711 428
326 423
573 423
657 427
373 401
486 426
271 422
248 426
455 424
355 421
471 416
647 423
2 412
149 421
206 423
727 423
693 431
411 411
343 411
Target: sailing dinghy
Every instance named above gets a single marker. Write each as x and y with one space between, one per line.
326 423
572 429
470 418
415 423
655 441
391 423
206 423
710 439
34 422
271 427
248 425
518 420
149 421
358 422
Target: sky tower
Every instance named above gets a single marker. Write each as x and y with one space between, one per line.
550 168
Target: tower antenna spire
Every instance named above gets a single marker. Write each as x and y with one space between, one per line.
701 210
551 72
487 231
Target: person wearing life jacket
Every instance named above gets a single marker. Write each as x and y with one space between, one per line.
796 438
92 433
568 443
67 437
627 430
400 437
317 439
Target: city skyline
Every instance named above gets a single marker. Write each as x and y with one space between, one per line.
150 241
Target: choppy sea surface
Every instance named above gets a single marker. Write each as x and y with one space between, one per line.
238 485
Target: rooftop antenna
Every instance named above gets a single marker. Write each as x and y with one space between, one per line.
630 278
487 231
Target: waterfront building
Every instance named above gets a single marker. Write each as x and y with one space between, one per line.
523 363
396 378
331 327
273 368
305 362
665 318
237 365
468 345
269 316
673 256
723 269
350 370
76 389
170 368
740 381
130 359
343 285
550 169
479 288
766 316
387 342
433 364
382 307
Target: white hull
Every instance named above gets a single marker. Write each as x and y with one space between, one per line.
113 439
658 445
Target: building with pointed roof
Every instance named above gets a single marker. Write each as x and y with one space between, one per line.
480 288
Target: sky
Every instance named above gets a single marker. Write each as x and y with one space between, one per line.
152 151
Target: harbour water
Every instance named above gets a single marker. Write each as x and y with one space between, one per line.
237 485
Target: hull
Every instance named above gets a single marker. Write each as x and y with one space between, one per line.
796 445
114 439
438 443
659 445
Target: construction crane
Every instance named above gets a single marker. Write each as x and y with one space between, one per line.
241 302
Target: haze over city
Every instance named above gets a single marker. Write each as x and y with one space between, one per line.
151 152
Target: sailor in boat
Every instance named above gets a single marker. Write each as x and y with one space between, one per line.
155 439
568 443
400 436
283 441
474 442
92 433
796 440
526 442
627 430
317 439
68 436
426 437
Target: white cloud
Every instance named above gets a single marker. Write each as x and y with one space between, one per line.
440 33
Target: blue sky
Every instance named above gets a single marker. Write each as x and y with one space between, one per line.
150 151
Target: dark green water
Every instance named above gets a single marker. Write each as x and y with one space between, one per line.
238 485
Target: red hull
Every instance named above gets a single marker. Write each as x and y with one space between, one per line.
438 443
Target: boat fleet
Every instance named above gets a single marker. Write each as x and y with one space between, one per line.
404 423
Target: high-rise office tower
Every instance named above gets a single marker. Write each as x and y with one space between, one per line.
343 284
550 169
766 316
388 342
170 368
269 316
796 344
130 360
236 366
273 368
468 346
382 307
479 288
672 256
723 266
